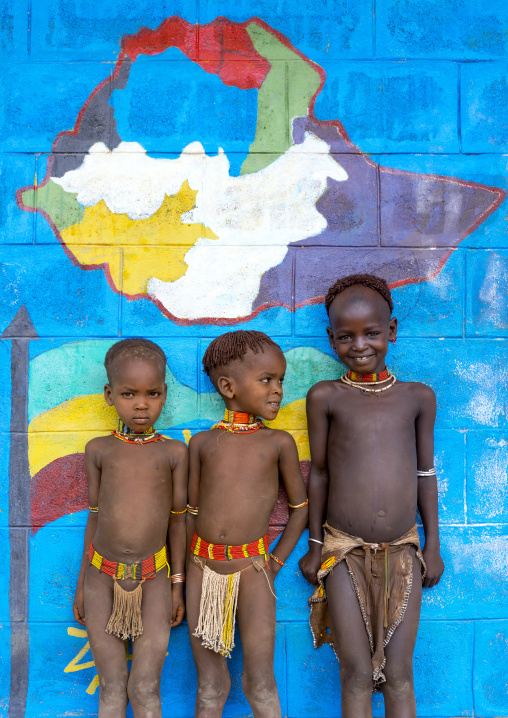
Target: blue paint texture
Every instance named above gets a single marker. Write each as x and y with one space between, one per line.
419 87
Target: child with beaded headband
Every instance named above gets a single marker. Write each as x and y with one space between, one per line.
234 471
137 489
371 441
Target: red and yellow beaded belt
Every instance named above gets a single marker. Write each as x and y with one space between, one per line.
223 552
142 570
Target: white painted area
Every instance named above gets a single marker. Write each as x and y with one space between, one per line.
255 216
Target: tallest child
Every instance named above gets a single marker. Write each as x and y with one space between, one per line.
372 450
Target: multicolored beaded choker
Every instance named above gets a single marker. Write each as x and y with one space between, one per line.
239 422
359 381
369 378
131 437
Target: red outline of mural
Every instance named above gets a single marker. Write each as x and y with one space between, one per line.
151 42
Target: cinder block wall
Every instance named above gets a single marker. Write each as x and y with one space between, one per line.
420 90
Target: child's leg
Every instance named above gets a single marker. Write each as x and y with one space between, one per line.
256 624
352 644
214 682
398 690
149 650
108 651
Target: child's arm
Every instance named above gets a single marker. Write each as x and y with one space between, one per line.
177 540
93 473
289 469
427 486
194 475
317 419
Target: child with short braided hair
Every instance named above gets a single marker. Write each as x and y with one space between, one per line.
233 486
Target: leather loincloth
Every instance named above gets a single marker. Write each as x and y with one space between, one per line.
382 576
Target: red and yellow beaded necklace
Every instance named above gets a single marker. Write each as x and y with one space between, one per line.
239 422
358 381
131 437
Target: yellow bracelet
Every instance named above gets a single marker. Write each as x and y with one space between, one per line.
193 510
299 506
179 512
93 509
277 560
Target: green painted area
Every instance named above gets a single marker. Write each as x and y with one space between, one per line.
77 369
61 206
305 367
284 95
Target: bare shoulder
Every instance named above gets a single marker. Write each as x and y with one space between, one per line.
95 447
320 393
421 392
284 440
197 440
175 449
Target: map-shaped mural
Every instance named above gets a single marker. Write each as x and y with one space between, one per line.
206 233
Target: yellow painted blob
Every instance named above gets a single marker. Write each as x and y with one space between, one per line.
154 247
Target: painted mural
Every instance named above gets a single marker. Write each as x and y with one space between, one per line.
177 180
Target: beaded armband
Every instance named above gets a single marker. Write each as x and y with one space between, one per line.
277 560
93 509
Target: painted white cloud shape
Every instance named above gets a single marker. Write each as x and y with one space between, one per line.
255 216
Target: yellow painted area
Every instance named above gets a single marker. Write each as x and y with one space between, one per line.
48 433
186 435
155 246
293 419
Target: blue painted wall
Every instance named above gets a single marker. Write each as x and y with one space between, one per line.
419 86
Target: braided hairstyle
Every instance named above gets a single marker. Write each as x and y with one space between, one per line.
367 280
136 348
233 346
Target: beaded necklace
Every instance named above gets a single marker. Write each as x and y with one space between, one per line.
358 381
131 437
239 422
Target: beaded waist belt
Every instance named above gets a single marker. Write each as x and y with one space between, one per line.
142 570
223 552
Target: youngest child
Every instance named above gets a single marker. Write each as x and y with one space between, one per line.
234 479
135 476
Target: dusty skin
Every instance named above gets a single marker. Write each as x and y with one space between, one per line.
365 451
135 487
234 479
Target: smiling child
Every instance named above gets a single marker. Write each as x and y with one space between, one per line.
135 477
372 463
234 480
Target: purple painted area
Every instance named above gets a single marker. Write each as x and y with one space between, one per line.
383 214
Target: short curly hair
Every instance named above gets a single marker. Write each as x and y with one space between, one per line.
366 280
135 348
233 346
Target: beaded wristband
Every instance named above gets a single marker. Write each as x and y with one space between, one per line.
179 512
299 506
178 578
277 560
93 509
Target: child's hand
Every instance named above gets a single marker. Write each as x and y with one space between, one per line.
310 563
435 566
178 601
78 606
